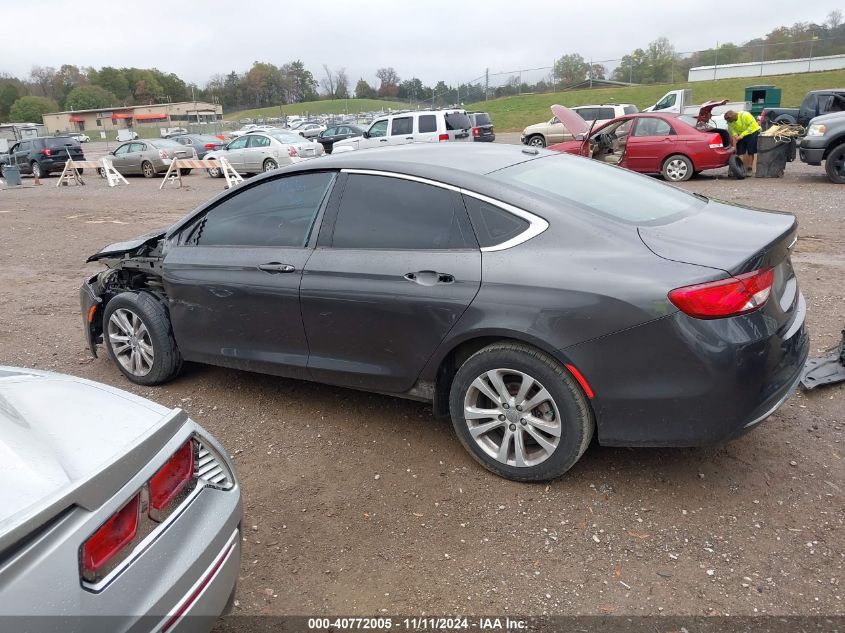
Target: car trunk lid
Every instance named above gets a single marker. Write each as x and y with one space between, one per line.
734 240
80 456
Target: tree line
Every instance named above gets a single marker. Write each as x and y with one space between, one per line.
69 87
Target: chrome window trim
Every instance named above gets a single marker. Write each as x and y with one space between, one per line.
536 224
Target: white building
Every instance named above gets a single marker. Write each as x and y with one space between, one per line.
762 69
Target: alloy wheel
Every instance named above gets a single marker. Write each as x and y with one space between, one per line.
130 341
676 169
537 141
512 417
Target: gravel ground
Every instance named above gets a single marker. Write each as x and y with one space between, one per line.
363 504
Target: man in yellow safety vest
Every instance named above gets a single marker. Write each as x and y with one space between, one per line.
744 131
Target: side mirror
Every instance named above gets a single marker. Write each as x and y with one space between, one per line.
366 134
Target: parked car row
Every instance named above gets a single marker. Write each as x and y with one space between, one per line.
41 156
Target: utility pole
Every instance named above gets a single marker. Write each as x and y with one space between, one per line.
486 83
715 59
591 72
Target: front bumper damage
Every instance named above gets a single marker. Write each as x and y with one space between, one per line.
92 305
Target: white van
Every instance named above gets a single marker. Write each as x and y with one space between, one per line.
424 126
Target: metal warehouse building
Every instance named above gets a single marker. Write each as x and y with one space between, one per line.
108 119
774 67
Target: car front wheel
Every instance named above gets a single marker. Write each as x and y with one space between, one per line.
536 141
520 413
835 165
139 339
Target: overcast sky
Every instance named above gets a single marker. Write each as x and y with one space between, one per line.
434 39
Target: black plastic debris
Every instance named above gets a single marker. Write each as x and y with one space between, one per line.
825 370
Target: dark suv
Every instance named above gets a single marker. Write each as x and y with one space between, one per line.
482 127
39 156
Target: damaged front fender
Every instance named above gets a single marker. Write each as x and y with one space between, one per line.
91 302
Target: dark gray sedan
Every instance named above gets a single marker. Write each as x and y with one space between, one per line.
534 297
201 143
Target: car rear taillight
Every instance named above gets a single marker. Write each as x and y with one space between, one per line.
761 117
172 478
162 154
476 131
292 152
46 152
725 298
715 141
443 137
110 539
210 145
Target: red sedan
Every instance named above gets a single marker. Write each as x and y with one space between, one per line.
653 143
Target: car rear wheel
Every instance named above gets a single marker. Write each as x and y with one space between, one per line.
139 339
37 172
519 412
270 165
677 168
536 141
147 169
835 165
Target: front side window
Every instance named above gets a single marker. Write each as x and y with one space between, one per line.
123 149
605 113
403 125
276 213
380 212
239 143
427 123
378 129
666 102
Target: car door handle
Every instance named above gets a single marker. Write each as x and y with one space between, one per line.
429 278
383 140
276 267
409 138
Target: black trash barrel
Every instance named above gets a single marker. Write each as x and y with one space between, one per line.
772 156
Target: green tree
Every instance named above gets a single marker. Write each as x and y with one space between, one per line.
113 80
31 109
363 90
88 98
9 93
571 69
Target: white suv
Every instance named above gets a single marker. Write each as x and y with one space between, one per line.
424 126
603 113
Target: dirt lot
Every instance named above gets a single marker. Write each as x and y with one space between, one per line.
364 504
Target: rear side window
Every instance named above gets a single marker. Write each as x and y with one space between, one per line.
588 114
605 113
457 121
482 118
493 225
404 125
60 142
427 123
379 212
278 212
631 109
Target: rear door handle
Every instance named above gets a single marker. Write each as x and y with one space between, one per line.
276 267
409 138
429 278
384 140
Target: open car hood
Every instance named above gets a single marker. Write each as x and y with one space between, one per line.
572 120
705 112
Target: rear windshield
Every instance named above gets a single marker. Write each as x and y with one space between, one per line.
631 110
482 118
61 141
287 138
164 142
457 121
614 192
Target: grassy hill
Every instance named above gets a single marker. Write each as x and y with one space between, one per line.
512 114
337 106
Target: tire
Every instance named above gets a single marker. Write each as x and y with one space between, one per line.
2 175
565 412
269 165
784 118
37 172
214 172
139 339
101 172
736 167
677 168
147 169
536 141
834 165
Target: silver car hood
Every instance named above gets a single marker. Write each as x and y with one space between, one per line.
65 441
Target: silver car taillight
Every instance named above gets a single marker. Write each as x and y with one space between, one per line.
162 154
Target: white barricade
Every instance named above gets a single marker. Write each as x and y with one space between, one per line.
174 172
